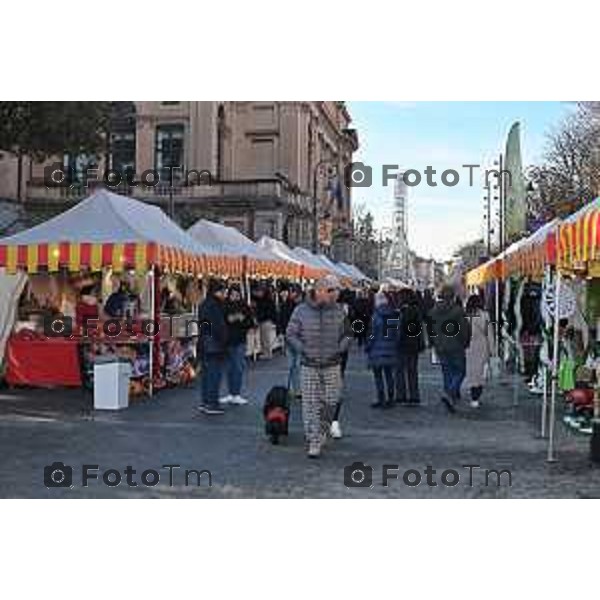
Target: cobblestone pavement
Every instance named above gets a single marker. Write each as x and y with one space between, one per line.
39 427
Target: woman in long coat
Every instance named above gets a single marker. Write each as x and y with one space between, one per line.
480 349
382 350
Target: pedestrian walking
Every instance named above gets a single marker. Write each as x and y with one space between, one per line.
450 334
360 316
411 344
288 304
480 349
266 315
239 320
212 347
344 300
382 350
316 332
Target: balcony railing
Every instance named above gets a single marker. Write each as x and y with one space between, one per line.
37 190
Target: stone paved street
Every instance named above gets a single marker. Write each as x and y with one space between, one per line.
37 428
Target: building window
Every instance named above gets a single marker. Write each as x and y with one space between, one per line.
122 137
170 103
263 156
122 152
264 116
169 152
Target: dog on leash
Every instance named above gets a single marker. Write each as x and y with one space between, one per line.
276 412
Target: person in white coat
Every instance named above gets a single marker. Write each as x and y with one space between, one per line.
480 349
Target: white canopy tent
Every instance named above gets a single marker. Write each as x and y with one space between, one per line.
336 267
134 234
312 259
105 217
230 240
353 269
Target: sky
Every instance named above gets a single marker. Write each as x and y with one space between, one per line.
444 135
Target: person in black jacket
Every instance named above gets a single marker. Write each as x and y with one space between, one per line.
212 347
360 316
287 305
411 343
239 320
266 315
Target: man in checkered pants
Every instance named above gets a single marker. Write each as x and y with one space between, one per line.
316 332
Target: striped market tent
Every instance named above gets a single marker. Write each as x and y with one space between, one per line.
109 230
527 257
307 267
579 239
259 261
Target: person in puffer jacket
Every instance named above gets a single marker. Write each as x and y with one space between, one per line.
316 332
450 333
383 352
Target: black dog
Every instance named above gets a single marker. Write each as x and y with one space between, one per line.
276 412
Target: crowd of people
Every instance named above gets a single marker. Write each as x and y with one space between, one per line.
393 327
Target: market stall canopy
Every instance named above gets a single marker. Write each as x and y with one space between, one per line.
307 268
110 230
394 283
526 257
337 269
579 239
354 270
347 272
230 241
532 254
312 259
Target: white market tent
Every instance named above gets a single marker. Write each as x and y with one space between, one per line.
230 240
260 260
337 269
312 259
357 273
311 270
108 218
109 230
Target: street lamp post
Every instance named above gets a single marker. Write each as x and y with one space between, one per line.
488 220
316 204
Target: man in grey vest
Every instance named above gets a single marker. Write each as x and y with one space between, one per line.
316 331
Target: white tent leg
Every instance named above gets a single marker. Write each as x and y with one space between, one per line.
151 339
497 317
516 378
555 366
544 401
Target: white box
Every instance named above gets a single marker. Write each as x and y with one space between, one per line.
111 385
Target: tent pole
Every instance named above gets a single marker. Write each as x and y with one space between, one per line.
497 317
544 401
555 366
151 339
544 376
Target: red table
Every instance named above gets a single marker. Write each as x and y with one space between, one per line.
43 363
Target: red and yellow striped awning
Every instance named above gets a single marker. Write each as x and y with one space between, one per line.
140 257
579 238
119 256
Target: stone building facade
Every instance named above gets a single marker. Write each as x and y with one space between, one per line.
267 168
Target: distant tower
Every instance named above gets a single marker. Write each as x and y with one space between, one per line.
398 259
